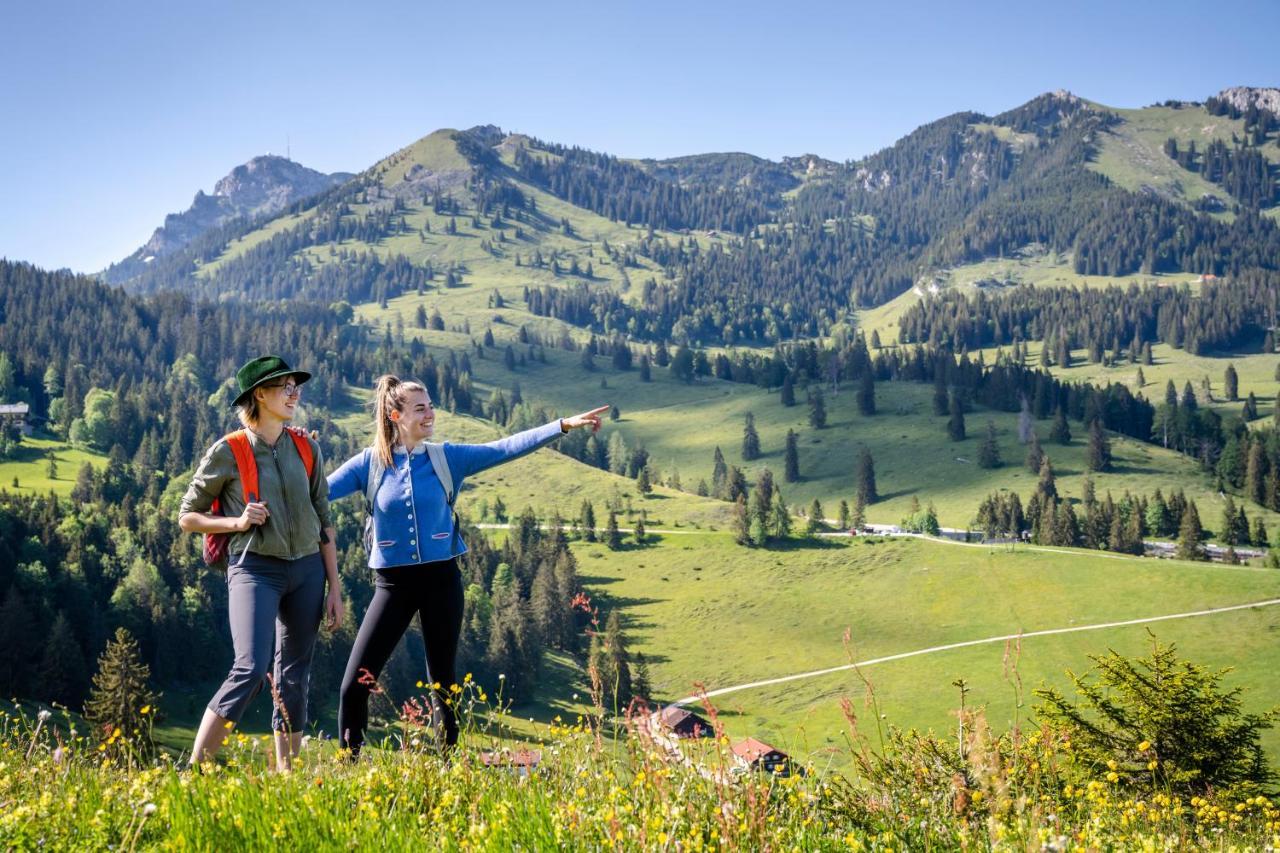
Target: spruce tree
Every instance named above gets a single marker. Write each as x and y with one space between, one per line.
955 425
941 399
1229 534
641 685
865 482
643 484
781 522
867 394
1060 433
788 391
612 537
1035 455
639 531
63 675
741 521
1098 456
817 409
791 472
989 452
587 518
816 521
18 640
121 692
750 439
844 514
1189 533
1047 486
1231 383
719 476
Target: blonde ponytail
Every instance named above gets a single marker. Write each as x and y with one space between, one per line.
388 397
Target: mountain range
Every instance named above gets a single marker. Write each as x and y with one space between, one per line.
1175 187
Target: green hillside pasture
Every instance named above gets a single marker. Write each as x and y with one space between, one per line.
1256 373
30 465
681 425
704 610
1029 265
1132 154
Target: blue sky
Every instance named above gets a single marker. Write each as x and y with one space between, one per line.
116 113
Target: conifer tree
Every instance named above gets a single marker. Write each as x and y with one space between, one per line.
867 394
1189 534
815 522
63 676
587 518
641 685
866 478
1229 534
1060 433
1035 455
18 639
719 476
741 521
788 396
955 425
817 409
120 691
844 514
612 537
750 439
643 484
639 531
1098 457
1231 383
781 522
989 452
1047 486
859 517
791 472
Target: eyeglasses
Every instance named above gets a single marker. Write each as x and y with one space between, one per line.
291 389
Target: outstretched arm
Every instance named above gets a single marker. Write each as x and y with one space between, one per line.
468 459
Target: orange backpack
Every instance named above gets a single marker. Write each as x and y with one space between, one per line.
217 544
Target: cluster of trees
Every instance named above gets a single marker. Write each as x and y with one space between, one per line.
1122 321
1241 170
765 518
626 193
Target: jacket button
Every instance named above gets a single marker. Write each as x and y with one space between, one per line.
413 542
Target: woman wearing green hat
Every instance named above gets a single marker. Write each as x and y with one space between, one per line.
280 555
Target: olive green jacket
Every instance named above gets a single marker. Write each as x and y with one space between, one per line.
299 506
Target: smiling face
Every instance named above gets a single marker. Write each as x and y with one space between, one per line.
415 418
280 398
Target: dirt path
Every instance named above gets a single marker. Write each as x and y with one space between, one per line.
986 640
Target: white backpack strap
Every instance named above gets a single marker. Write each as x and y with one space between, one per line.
377 467
440 462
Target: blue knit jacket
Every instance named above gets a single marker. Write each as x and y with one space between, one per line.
412 521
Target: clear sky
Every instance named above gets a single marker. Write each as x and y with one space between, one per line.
115 113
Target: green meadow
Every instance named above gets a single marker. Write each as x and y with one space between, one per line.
29 466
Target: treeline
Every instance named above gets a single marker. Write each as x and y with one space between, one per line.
626 193
1231 314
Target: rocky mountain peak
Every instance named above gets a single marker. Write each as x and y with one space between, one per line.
1242 97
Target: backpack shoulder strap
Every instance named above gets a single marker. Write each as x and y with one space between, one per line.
246 466
440 462
377 467
300 441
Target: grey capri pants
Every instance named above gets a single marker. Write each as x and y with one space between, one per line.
269 596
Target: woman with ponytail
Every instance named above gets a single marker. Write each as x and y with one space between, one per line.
414 543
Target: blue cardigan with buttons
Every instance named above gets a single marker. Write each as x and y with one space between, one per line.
412 522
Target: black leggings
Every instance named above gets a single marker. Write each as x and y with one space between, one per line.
432 590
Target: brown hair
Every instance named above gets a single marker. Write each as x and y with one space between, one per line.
388 396
247 411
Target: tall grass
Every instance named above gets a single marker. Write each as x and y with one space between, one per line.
602 784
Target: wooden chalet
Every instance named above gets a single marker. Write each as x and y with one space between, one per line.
16 414
752 754
682 723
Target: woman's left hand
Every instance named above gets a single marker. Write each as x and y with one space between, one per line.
591 419
333 609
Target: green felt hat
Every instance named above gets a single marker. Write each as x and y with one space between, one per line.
263 369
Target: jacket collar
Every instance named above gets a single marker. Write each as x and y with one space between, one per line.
418 449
